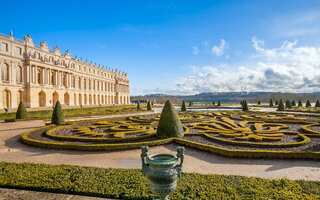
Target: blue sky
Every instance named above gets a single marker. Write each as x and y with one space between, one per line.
183 47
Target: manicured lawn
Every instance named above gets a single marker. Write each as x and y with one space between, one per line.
131 184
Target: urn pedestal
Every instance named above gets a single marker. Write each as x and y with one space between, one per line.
161 171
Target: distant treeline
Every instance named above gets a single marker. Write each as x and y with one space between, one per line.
231 97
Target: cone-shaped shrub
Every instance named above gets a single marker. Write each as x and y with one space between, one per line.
244 106
259 102
281 106
277 103
213 103
317 104
183 106
21 112
149 107
190 103
138 106
219 103
300 103
293 103
271 103
57 115
169 123
308 104
288 104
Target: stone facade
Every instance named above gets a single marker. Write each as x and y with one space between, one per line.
39 77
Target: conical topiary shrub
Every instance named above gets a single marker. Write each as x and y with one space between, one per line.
219 103
57 115
169 123
271 103
244 105
288 104
138 106
21 112
281 106
149 107
190 103
259 102
293 103
300 103
213 103
183 106
317 104
277 103
308 104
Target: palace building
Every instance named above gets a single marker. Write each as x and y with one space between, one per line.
39 77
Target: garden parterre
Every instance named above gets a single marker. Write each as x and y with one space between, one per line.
229 133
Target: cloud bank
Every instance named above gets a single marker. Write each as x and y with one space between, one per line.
288 68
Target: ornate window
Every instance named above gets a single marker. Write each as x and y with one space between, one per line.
19 74
6 99
5 72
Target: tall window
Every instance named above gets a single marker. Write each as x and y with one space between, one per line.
89 84
73 81
6 99
18 51
19 74
39 78
65 79
53 78
85 84
79 83
4 47
5 72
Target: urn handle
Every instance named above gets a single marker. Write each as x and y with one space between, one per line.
144 154
180 154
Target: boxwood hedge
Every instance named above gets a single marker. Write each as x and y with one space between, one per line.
131 184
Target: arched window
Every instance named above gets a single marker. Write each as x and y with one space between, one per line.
5 72
19 74
6 99
19 97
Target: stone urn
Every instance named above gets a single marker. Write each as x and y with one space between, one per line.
162 171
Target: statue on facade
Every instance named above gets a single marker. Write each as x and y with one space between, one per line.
67 53
44 44
11 33
56 49
28 38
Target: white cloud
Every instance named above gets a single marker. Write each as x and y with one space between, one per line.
218 51
288 68
195 50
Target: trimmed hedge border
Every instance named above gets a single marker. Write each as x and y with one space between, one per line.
210 148
90 139
306 129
